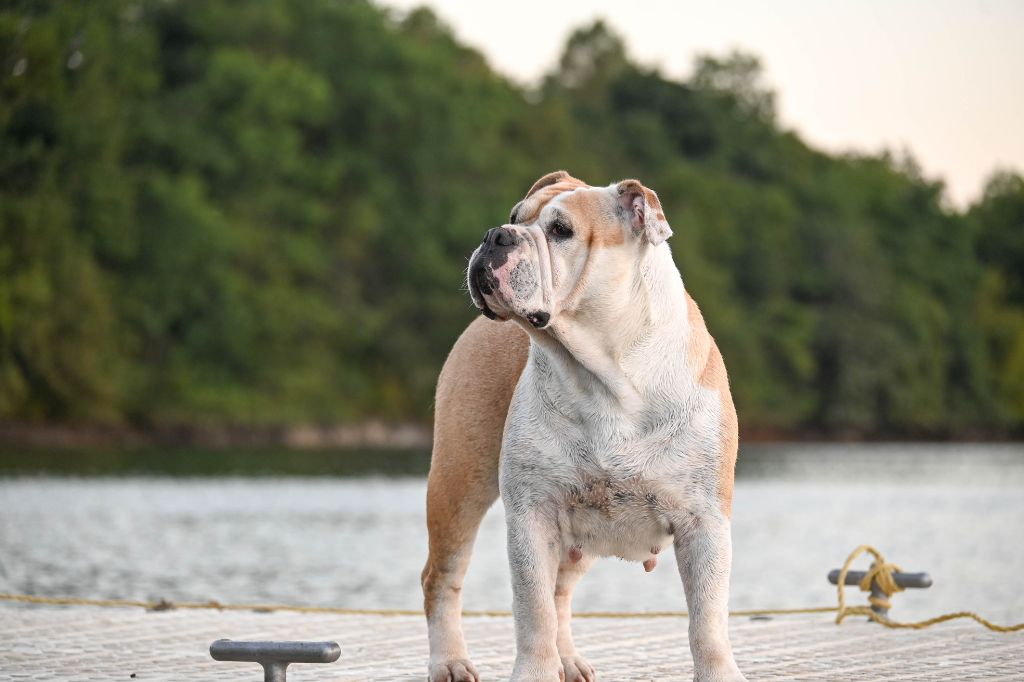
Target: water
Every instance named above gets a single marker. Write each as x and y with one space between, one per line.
956 511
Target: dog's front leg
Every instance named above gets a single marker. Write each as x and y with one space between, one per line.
704 554
575 668
533 553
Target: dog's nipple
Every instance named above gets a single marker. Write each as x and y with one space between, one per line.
575 553
650 564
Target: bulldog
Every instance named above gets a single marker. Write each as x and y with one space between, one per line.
596 403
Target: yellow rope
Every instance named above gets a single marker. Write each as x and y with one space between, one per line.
881 572
164 605
167 606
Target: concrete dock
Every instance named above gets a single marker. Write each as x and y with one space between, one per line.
89 643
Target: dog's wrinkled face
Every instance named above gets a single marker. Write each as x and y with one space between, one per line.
566 245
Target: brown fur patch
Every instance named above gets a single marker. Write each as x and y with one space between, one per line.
707 359
473 396
699 344
592 222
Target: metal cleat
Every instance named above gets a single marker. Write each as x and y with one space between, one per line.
275 656
879 600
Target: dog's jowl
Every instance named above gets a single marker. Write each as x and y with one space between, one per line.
596 403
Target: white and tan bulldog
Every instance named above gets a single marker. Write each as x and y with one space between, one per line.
601 413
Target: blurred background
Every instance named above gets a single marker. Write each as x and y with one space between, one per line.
233 235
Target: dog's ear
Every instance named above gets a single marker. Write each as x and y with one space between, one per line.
552 184
643 211
549 179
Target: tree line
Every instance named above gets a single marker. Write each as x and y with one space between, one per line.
260 212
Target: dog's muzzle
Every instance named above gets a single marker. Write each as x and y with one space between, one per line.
484 286
492 254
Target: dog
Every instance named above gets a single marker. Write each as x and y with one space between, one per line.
596 403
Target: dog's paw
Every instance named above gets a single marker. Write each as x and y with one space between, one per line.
578 670
455 670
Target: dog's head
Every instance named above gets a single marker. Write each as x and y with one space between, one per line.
567 246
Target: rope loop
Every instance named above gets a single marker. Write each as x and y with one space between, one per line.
880 574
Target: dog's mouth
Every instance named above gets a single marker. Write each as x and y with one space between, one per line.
482 283
496 292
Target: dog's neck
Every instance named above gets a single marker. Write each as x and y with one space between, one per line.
607 346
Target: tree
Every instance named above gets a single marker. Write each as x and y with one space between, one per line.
259 213
998 221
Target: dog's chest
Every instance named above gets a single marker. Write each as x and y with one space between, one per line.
619 483
615 515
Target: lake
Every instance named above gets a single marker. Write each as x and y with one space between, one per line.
348 529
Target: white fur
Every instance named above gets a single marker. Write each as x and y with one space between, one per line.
611 445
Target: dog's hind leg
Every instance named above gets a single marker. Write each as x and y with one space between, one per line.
454 512
473 395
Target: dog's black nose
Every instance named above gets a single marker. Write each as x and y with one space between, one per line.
501 236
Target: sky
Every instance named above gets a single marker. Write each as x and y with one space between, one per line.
942 79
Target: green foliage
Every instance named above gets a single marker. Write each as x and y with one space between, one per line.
258 213
999 223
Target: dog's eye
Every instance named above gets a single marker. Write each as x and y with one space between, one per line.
560 229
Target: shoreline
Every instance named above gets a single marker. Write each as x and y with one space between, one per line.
376 434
